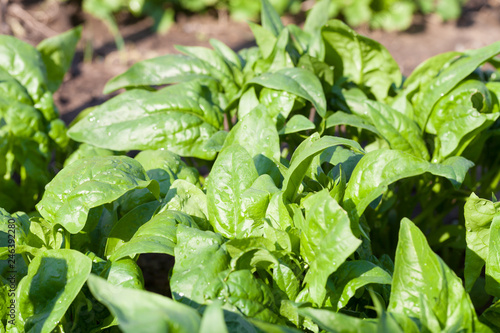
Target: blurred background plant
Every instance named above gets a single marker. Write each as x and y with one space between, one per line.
378 14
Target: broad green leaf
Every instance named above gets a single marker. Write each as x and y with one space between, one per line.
256 132
54 279
449 78
337 322
127 226
397 129
219 69
180 118
351 276
141 311
171 68
479 214
326 241
302 158
296 81
296 124
125 273
427 70
243 292
380 168
459 116
187 198
426 289
57 54
276 103
232 174
163 166
89 183
158 235
199 257
363 60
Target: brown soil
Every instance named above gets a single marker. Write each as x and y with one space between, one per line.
35 20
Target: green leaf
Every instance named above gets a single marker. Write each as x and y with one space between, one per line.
57 54
426 289
24 63
187 198
213 319
158 235
397 129
199 257
85 151
244 293
54 279
380 168
270 18
89 183
479 214
232 174
449 78
326 241
459 116
137 309
125 273
342 118
361 59
127 226
296 124
351 276
167 69
296 81
303 157
493 259
337 322
180 118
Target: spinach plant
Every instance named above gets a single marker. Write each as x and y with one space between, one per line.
336 195
30 128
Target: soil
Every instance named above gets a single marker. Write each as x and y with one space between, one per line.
97 59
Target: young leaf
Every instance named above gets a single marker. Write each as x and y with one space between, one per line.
89 183
296 124
270 18
363 60
326 241
303 157
296 81
57 53
426 289
199 257
233 173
